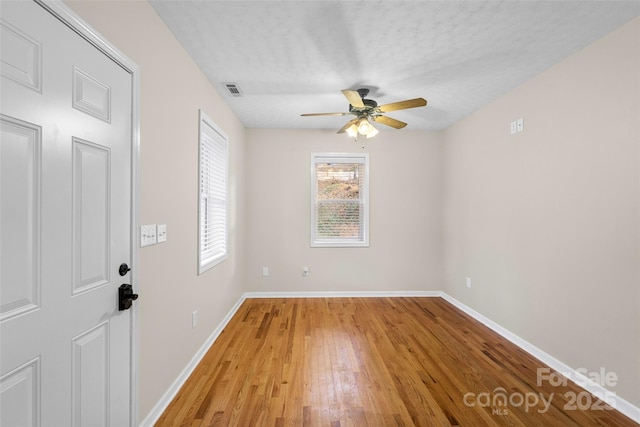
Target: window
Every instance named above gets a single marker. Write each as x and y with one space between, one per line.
339 200
212 210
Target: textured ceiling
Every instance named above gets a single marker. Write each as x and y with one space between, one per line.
292 57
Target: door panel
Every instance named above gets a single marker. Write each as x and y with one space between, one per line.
20 57
91 178
20 188
65 225
91 96
20 391
90 393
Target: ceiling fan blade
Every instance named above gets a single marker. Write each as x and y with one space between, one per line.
389 122
354 98
324 114
344 128
402 105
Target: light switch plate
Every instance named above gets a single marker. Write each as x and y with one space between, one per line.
162 233
147 235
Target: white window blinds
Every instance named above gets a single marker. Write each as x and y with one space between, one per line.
340 209
212 212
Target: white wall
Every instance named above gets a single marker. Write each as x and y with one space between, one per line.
173 89
546 222
405 213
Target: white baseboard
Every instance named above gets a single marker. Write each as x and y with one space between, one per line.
173 390
343 294
572 374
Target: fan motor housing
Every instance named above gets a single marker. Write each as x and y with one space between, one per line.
368 104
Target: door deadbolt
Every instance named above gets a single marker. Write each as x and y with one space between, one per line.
124 269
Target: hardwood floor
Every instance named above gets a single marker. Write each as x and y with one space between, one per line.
372 362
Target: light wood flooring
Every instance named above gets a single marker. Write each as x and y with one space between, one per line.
341 362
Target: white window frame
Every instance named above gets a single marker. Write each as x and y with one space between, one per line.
363 241
212 138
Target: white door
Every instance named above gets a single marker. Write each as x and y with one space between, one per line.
65 225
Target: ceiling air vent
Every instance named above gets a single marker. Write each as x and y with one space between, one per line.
233 89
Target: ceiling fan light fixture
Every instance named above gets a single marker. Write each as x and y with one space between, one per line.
373 132
352 131
364 127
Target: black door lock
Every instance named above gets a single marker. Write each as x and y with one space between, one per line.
125 297
123 269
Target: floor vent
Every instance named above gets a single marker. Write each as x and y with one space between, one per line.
232 89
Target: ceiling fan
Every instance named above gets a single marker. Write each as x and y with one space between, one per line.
365 109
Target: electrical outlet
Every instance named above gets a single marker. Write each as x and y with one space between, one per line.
194 319
514 127
265 271
520 124
468 282
305 271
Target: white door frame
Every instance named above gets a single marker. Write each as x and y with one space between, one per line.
75 22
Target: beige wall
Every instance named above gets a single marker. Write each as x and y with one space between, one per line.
405 213
173 89
546 222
